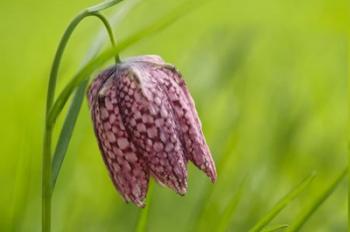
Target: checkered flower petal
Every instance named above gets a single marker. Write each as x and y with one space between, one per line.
146 124
126 167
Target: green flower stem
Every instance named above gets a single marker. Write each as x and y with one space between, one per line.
109 31
92 11
46 181
46 164
84 73
73 112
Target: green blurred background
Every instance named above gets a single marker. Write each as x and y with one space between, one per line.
270 82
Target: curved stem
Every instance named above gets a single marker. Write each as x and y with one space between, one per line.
59 153
84 73
46 163
58 56
109 31
62 45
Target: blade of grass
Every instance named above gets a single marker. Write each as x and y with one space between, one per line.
142 221
74 109
229 211
282 204
276 228
67 131
317 202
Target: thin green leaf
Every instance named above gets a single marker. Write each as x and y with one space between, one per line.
229 211
317 202
282 204
276 228
142 221
67 131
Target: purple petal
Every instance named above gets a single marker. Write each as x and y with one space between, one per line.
146 123
148 117
182 103
127 169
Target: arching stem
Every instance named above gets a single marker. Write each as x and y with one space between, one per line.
47 142
109 31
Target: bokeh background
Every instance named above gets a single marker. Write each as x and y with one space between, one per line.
270 82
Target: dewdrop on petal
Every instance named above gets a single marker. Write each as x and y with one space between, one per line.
146 124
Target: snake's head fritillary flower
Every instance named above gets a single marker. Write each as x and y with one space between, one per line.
146 124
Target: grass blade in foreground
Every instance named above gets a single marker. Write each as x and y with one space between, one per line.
307 212
142 221
282 204
67 131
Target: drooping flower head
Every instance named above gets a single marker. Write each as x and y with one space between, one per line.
146 124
